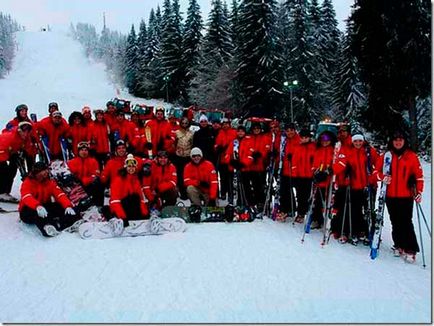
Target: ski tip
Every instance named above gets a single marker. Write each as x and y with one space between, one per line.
374 254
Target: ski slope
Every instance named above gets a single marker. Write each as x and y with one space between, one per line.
256 272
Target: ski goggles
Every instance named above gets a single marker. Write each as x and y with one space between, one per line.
131 163
83 145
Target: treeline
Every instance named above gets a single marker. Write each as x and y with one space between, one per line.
8 27
376 74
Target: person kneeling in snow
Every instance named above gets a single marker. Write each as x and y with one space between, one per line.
200 178
36 206
127 201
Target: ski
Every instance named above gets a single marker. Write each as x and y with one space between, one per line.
7 211
276 199
329 211
308 216
369 213
378 226
149 140
270 172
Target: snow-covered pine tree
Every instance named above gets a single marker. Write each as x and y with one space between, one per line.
7 46
393 45
349 93
171 51
131 69
142 45
259 74
191 43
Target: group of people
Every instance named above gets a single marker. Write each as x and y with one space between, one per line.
151 163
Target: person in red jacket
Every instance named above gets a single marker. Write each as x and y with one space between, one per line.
323 169
100 143
358 181
200 178
12 144
127 201
78 131
87 116
86 169
404 185
223 141
288 178
123 129
54 129
161 134
36 206
159 186
302 160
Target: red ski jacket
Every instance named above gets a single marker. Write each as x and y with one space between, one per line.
35 193
161 135
404 168
100 137
291 147
139 141
260 146
204 171
244 153
223 142
162 179
123 186
302 160
85 169
77 134
54 133
356 159
323 160
11 143
125 129
113 166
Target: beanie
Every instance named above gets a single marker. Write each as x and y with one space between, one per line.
196 151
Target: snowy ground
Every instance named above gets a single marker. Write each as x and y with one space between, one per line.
248 272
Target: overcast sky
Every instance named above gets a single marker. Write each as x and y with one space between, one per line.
120 14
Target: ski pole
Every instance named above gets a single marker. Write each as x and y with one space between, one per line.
350 216
419 207
344 217
291 194
420 235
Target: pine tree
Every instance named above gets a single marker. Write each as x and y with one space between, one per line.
171 52
131 69
191 42
392 44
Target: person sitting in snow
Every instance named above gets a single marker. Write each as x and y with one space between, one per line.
127 201
36 205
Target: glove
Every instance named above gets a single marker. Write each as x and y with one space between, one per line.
42 212
320 176
204 184
147 169
148 145
289 156
211 202
236 164
69 211
418 198
256 155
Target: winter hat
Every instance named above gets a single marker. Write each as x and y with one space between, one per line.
162 154
305 133
196 151
120 142
357 136
159 108
225 120
38 167
85 109
53 105
21 107
96 111
130 161
203 118
110 103
56 114
83 144
325 137
25 126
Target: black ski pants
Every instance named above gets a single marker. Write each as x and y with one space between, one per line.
401 214
8 171
131 206
287 195
303 188
225 180
180 163
56 217
254 188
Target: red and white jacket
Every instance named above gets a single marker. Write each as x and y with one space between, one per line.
162 179
204 171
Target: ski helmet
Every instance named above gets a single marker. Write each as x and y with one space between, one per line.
21 107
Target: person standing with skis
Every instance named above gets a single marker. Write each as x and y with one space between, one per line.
51 131
37 208
405 185
100 143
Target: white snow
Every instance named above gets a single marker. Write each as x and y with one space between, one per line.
248 272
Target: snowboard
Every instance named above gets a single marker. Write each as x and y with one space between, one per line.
114 228
70 185
196 214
